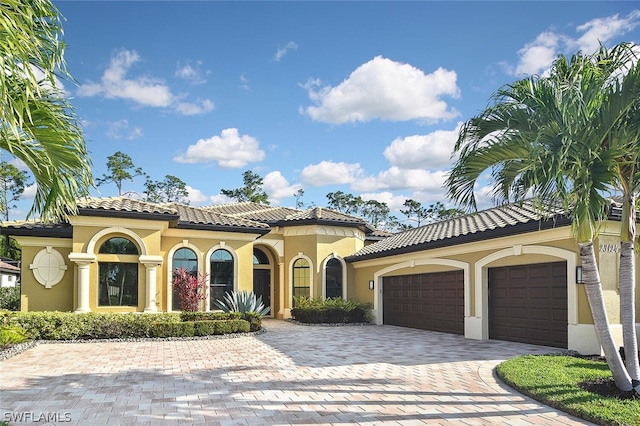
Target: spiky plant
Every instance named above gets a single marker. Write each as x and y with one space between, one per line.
242 301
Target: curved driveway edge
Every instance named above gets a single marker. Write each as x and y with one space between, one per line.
291 375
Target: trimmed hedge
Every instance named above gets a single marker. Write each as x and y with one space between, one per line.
90 325
335 311
209 316
199 328
93 325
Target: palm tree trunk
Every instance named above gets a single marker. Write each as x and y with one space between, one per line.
628 307
593 287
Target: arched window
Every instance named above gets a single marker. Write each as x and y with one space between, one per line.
333 280
183 258
259 257
221 275
118 273
301 278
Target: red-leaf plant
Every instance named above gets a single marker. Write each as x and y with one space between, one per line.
191 290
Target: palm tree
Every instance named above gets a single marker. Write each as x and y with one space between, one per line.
37 123
551 137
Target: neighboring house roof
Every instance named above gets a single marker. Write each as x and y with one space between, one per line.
492 223
10 269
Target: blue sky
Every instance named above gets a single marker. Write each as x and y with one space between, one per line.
360 97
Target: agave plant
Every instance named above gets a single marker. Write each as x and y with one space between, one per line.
242 301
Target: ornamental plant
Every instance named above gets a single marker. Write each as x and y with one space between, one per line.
191 289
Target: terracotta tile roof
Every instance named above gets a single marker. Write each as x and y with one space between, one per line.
253 211
190 216
122 205
491 223
35 228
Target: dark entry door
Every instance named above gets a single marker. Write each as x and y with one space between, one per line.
262 285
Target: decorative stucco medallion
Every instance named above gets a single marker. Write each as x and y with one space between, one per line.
48 267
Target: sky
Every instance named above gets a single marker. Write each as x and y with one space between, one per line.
360 97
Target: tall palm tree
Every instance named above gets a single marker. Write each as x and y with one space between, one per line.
37 123
550 137
625 116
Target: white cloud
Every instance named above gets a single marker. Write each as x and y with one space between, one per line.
604 29
330 173
396 178
196 197
387 90
244 83
430 151
278 187
220 199
394 202
536 57
192 73
114 84
29 192
142 90
194 108
229 150
120 130
282 51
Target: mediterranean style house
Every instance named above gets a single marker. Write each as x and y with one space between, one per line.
505 273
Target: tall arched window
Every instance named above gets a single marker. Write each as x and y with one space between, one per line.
183 258
118 273
301 278
221 275
333 280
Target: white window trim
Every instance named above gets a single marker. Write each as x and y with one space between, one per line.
324 275
311 274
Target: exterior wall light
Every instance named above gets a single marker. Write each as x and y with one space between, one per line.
579 279
371 284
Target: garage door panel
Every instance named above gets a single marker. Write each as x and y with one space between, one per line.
436 301
535 308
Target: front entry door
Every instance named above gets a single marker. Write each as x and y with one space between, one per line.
262 285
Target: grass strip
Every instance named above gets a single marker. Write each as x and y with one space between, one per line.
555 381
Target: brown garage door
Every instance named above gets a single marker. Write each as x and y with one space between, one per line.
426 301
528 303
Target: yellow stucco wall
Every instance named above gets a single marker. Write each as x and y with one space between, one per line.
35 296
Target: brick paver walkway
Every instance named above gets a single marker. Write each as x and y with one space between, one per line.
290 375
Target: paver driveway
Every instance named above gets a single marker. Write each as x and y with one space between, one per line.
290 375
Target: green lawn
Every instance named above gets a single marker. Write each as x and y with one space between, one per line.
554 380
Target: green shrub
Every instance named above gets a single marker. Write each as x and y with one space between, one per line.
90 325
199 328
173 329
208 316
316 311
10 333
10 298
254 319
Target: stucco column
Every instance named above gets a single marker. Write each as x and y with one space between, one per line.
151 264
83 262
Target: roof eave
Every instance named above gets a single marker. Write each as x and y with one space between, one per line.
555 222
169 217
224 228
